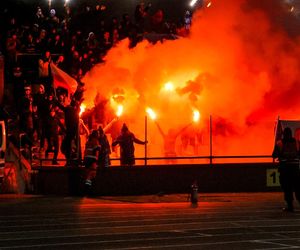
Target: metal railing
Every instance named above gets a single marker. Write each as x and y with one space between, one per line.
166 159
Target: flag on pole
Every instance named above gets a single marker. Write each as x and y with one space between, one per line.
294 125
62 79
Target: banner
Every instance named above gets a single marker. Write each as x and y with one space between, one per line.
62 79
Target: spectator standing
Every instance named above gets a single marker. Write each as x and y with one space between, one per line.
71 123
18 84
126 141
91 150
29 44
52 20
12 44
91 42
107 42
75 64
287 152
41 41
39 17
57 45
126 26
40 100
90 159
187 20
53 126
26 122
115 37
104 152
85 63
140 14
60 62
36 123
45 71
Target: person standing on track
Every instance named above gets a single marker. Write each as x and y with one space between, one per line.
287 152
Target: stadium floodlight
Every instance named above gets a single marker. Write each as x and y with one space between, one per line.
193 2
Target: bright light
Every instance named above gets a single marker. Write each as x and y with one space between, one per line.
82 109
169 86
119 110
208 5
196 115
193 2
151 113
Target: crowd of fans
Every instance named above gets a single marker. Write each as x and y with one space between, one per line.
82 39
74 42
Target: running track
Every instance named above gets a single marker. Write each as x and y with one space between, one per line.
221 221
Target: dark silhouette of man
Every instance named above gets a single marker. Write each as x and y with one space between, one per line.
126 141
287 152
71 123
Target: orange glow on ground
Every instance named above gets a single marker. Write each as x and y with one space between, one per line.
238 65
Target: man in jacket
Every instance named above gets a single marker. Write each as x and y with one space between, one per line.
126 141
287 152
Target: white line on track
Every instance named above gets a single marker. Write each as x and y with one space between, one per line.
148 227
81 221
282 246
148 247
149 232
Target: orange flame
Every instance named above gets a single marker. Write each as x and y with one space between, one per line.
193 2
82 109
119 111
196 116
169 86
151 113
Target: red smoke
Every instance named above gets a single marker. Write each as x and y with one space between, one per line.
239 65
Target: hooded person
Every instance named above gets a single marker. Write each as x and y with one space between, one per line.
91 152
126 142
103 157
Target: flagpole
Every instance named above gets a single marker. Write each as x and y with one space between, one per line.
51 78
146 138
210 141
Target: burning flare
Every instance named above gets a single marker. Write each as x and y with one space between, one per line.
196 116
151 113
193 2
82 109
119 111
169 86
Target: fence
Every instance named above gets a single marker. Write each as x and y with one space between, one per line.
207 147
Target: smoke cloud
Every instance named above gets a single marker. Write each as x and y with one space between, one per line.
239 65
